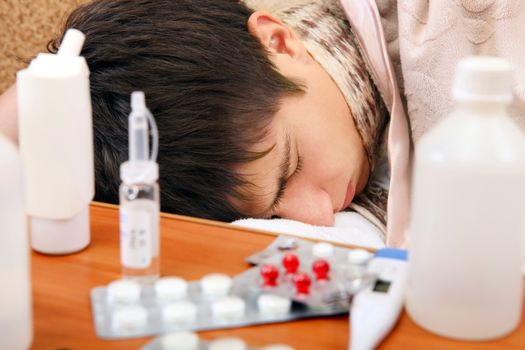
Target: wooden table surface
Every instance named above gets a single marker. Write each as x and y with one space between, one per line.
189 248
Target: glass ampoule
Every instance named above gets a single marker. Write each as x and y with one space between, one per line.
140 198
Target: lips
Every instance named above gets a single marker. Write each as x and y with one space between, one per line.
350 193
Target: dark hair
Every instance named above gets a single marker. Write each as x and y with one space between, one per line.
208 82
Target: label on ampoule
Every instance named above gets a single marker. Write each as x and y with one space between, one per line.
135 238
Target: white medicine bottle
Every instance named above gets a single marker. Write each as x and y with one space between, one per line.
16 328
467 223
56 147
139 198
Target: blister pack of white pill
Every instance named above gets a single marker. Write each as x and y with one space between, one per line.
191 341
127 309
319 275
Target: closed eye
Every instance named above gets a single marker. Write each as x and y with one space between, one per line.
283 183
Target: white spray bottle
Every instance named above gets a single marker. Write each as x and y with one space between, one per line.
15 294
56 145
140 198
467 220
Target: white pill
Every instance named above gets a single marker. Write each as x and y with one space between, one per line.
216 285
180 341
123 292
323 250
229 343
182 312
129 318
171 288
277 347
228 309
359 256
273 305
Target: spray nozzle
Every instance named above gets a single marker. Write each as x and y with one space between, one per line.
72 43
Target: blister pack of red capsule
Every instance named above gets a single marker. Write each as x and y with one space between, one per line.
319 275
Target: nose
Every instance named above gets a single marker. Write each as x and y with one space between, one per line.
309 206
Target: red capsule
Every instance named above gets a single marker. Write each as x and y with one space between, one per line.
302 283
269 274
290 263
321 267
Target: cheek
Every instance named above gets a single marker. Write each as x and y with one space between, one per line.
327 147
321 162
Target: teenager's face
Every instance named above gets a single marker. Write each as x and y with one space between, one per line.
318 162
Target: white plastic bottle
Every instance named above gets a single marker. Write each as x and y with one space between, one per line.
56 145
139 198
467 217
16 328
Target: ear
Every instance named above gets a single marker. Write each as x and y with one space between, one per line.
276 36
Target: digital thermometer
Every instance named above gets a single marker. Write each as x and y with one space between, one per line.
376 308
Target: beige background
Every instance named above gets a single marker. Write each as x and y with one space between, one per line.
26 26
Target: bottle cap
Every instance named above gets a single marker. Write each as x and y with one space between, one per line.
181 312
171 288
123 292
229 343
129 318
180 341
228 308
483 78
216 285
323 250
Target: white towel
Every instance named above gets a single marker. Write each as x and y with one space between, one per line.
349 228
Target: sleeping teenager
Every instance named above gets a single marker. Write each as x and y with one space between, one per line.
295 115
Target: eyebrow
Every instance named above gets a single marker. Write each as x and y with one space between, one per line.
283 172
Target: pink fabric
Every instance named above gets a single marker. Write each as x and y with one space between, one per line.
363 15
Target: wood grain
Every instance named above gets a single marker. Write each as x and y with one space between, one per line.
190 248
